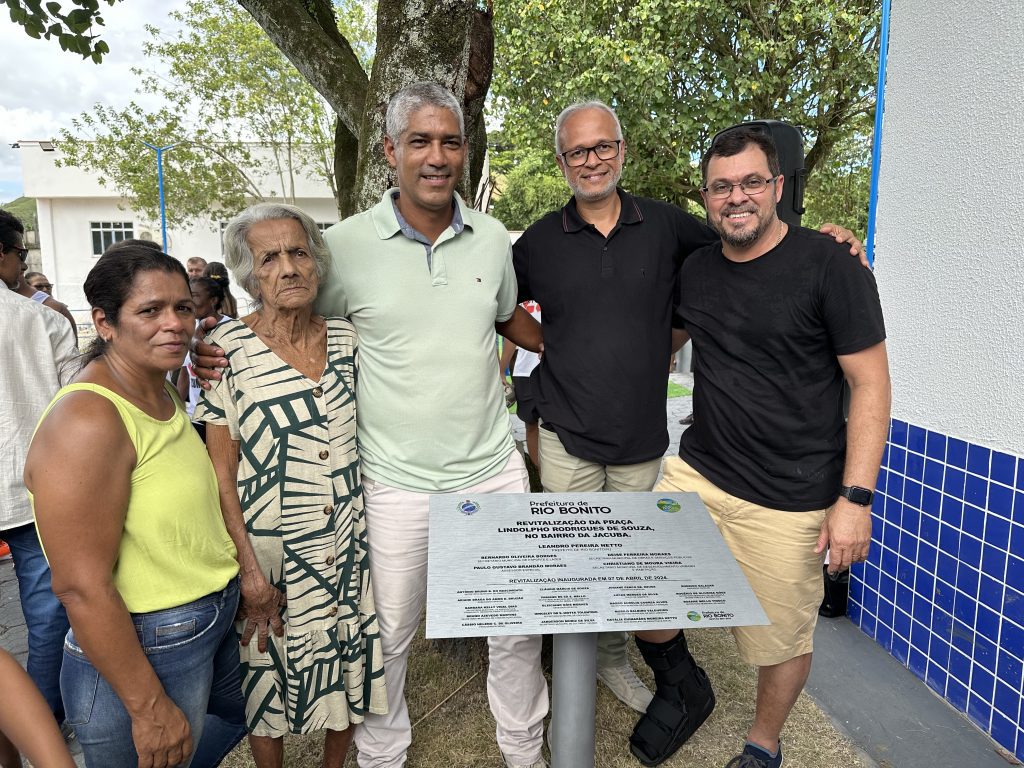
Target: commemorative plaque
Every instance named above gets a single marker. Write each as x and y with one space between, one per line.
526 564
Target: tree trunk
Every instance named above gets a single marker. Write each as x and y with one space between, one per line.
310 40
346 152
447 41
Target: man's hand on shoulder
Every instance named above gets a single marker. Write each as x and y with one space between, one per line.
843 235
846 532
206 358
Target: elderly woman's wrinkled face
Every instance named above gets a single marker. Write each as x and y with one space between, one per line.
282 264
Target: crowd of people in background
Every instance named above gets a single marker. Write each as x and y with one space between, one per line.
257 551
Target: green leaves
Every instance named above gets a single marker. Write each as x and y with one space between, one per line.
247 124
678 71
529 190
73 29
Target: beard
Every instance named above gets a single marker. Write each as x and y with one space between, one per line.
593 195
744 237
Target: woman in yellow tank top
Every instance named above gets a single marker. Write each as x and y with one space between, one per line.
127 510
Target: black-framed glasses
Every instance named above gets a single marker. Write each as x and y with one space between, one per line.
22 252
605 150
755 185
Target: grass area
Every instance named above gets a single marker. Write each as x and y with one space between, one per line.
25 209
453 728
678 390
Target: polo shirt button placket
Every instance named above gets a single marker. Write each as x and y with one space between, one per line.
324 454
328 509
318 392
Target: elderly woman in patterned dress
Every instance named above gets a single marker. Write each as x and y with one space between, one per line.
281 430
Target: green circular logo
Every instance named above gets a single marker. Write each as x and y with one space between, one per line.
668 505
694 616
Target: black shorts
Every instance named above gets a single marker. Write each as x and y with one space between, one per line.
526 408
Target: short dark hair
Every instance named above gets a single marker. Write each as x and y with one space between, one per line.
132 242
733 141
113 276
10 225
219 274
211 286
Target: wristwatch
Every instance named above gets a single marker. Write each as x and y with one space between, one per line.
857 495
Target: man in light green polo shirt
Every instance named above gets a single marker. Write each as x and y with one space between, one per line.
430 416
426 281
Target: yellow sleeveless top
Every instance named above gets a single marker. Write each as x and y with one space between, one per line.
174 546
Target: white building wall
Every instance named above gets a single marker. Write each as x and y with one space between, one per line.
943 587
949 244
69 200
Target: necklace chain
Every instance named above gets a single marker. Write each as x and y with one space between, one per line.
782 231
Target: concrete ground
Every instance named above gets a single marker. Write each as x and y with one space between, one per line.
888 713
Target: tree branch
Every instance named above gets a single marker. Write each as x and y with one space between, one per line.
322 55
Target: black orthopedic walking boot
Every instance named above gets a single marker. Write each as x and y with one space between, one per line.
682 701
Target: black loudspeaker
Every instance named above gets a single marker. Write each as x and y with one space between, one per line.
789 143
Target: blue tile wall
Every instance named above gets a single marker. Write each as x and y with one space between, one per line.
943 588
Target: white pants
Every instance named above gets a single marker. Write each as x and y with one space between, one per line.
396 522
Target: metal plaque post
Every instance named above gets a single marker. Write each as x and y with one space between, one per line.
573 700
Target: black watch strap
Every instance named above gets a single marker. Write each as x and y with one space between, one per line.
857 495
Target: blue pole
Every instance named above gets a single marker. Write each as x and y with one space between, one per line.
876 144
160 185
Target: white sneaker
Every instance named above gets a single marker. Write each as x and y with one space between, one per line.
542 763
627 687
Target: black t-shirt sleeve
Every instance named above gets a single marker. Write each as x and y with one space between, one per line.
521 263
850 305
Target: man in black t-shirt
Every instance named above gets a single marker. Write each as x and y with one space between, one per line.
779 316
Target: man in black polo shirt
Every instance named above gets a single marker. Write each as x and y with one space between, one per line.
779 316
604 269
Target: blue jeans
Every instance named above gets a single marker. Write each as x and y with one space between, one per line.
194 651
45 619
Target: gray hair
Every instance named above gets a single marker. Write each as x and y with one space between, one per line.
413 98
238 256
572 109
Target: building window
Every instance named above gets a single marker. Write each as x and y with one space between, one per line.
106 233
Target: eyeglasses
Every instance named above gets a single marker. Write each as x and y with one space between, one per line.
22 252
42 286
752 186
606 150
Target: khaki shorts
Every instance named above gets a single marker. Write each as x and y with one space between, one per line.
775 549
565 473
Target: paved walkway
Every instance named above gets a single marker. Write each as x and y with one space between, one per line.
13 635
